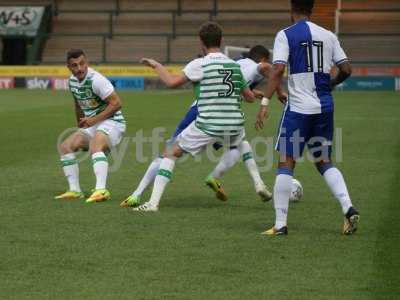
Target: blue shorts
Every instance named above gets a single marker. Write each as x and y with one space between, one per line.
190 116
297 130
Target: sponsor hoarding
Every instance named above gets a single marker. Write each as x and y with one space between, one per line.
62 71
20 20
7 83
369 83
37 83
128 83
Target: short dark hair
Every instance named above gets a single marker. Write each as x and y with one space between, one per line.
74 53
304 7
210 34
258 52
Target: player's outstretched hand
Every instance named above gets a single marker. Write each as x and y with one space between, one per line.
149 62
261 116
283 97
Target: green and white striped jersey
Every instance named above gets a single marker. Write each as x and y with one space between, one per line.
90 94
219 82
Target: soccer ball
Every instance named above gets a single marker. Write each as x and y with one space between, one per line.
297 191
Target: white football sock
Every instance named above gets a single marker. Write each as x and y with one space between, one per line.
227 161
100 168
148 177
71 171
282 190
160 182
248 159
337 185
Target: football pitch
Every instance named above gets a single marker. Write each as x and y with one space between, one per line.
195 247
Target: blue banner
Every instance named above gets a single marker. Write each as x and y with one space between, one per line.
128 83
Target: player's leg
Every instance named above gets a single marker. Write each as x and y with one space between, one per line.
152 170
162 178
251 165
321 150
108 134
290 145
148 178
192 141
70 167
282 190
227 161
336 183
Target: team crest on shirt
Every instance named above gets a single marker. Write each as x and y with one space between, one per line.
88 93
93 103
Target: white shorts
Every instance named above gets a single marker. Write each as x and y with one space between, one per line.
193 140
113 129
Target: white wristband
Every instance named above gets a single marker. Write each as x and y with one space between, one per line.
264 101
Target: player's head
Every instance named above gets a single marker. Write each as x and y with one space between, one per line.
302 7
210 34
259 54
77 63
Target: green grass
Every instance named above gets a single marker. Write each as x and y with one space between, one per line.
195 247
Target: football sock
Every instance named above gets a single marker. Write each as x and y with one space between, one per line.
247 156
71 171
100 167
337 185
148 177
227 161
164 175
282 190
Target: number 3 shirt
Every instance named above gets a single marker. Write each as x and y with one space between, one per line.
218 85
310 51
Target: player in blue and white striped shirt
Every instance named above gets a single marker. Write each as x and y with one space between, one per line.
309 51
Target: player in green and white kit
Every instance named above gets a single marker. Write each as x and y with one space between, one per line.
101 126
219 86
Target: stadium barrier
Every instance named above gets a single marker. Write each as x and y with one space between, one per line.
56 77
141 77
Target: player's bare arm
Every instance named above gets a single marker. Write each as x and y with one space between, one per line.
275 79
78 112
265 69
170 80
114 105
258 94
249 96
342 75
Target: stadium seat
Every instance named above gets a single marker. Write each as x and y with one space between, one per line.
132 49
189 23
70 23
324 13
85 5
359 22
263 23
151 5
138 23
240 5
378 48
370 4
184 49
249 41
57 46
196 5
